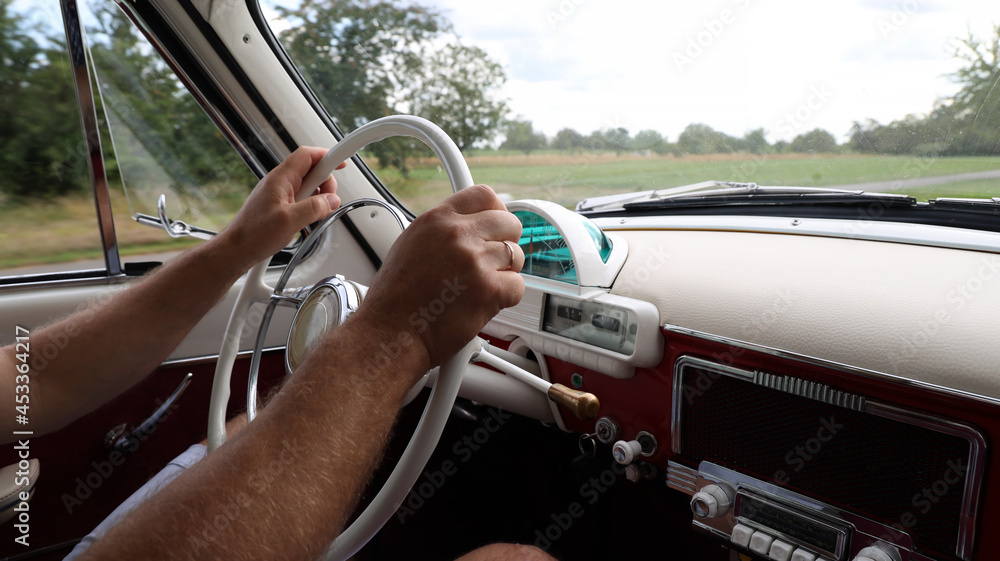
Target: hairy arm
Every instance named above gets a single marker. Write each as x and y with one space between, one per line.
285 485
106 349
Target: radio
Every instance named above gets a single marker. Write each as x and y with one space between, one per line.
771 460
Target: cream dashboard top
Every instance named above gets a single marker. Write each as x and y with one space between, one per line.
915 311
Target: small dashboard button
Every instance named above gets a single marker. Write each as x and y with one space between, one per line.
761 542
741 535
781 551
803 555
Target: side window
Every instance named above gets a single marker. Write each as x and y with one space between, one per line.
163 142
47 218
156 141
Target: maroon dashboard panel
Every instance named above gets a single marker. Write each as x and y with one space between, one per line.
81 481
646 403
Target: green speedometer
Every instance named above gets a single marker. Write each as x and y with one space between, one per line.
546 254
565 246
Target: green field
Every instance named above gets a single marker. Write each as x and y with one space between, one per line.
567 179
65 230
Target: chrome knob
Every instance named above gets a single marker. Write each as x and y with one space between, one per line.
626 452
880 551
712 501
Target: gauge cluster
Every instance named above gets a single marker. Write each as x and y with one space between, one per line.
567 311
595 323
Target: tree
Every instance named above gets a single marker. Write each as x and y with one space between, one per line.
975 110
816 140
968 123
699 138
458 92
618 139
145 97
648 140
568 139
359 56
755 142
40 138
369 58
521 136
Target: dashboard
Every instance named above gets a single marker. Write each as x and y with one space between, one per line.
774 379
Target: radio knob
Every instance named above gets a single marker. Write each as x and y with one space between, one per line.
881 551
712 501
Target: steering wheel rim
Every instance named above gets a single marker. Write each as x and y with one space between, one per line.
443 393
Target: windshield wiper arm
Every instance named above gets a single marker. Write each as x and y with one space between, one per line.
717 193
984 206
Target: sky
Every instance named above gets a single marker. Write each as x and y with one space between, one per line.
788 66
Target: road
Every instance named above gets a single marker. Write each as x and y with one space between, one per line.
899 184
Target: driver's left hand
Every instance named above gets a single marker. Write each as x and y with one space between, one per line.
270 217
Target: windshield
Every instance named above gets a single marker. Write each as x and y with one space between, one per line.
572 99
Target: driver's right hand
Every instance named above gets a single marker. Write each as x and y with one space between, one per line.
446 276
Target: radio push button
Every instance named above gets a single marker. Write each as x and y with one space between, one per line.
741 535
761 542
803 555
781 551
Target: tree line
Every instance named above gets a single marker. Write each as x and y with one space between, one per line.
369 58
697 138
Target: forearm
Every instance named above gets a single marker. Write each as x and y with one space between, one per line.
109 347
302 462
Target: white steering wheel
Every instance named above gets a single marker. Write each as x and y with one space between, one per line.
428 432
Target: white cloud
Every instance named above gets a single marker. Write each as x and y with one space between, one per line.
732 64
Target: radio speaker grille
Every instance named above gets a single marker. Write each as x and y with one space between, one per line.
893 472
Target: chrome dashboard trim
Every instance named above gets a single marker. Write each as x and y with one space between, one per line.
679 391
974 472
682 478
809 390
847 369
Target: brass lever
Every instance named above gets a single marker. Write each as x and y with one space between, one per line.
583 405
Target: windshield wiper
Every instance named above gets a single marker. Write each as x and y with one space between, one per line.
983 206
719 193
